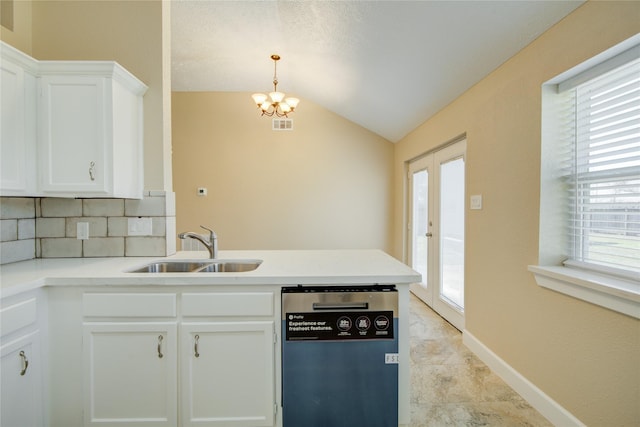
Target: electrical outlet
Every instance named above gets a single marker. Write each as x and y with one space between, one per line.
82 231
140 227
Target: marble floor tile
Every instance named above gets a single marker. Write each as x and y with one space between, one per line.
450 386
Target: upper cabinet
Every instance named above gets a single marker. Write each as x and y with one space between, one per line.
88 118
90 130
17 122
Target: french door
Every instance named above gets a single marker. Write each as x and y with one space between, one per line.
436 230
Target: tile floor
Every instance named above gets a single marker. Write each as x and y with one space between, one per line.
450 386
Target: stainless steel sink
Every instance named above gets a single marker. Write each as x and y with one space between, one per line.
203 266
170 267
230 267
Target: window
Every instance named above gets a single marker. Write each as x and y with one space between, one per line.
590 181
603 175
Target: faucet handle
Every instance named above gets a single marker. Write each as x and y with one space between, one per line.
212 233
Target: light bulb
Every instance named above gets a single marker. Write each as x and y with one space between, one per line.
265 106
259 98
276 96
292 102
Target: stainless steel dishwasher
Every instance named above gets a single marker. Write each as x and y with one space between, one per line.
340 356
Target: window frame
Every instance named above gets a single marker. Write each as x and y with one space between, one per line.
621 294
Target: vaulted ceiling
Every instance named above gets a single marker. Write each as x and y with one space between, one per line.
385 65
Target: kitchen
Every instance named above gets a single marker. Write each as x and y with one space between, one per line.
583 356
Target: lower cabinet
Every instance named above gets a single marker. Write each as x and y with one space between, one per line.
211 363
227 374
130 373
21 382
21 363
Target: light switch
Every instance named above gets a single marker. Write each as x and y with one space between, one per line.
140 227
476 202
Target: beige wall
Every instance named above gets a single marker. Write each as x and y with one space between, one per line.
129 32
583 356
326 184
20 36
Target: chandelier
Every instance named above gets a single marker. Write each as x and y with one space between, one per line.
275 103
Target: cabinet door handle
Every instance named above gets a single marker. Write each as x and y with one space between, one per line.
160 338
195 347
92 169
25 363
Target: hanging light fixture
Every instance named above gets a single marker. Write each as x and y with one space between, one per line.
275 103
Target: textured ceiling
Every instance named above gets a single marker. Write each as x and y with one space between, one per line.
386 65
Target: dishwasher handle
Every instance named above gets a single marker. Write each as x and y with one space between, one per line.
340 306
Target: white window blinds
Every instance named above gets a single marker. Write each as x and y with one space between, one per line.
603 170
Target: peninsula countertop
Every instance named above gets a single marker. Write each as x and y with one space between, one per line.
278 267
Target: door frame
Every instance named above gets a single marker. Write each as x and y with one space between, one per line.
431 295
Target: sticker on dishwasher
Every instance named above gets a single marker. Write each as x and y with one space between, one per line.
356 325
391 359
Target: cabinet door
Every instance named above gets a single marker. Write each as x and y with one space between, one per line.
73 138
17 131
228 374
21 385
130 373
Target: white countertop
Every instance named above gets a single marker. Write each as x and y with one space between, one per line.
282 267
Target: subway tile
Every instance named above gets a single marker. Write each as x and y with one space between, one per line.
145 246
17 207
97 226
53 207
61 248
149 206
17 250
8 230
103 207
50 227
26 228
103 247
158 226
117 226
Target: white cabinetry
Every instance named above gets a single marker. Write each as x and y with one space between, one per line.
130 366
228 374
21 383
17 122
90 122
223 368
227 370
69 128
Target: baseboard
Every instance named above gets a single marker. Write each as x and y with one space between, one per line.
544 404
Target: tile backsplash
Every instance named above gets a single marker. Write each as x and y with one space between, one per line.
47 227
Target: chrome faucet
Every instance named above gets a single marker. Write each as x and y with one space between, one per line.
211 244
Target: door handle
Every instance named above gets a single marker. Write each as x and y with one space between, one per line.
25 363
160 355
340 306
92 169
429 234
195 346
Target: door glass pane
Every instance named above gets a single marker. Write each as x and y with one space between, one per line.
420 220
452 231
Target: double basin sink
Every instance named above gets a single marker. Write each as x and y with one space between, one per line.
200 266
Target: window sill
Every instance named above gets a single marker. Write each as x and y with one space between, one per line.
615 294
